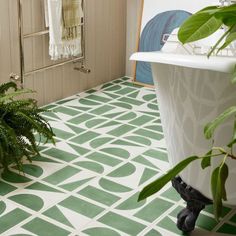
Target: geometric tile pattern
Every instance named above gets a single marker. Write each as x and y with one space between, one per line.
109 145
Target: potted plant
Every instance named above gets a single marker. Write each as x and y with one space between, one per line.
201 25
19 120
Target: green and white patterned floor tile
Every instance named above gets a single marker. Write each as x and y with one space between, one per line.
109 145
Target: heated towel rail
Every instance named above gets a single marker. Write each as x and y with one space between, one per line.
22 37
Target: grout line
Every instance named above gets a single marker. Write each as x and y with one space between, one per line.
225 220
154 223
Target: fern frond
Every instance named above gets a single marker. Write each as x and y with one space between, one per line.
6 86
11 95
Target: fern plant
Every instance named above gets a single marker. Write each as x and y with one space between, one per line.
19 120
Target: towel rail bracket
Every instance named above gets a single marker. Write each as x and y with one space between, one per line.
82 68
14 77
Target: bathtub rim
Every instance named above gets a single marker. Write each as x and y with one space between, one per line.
214 63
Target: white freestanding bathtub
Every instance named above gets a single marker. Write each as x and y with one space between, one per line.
193 90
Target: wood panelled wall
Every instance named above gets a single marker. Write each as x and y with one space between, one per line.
105 48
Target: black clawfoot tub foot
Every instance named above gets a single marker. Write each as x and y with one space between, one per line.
196 202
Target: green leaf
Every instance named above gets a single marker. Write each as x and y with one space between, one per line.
162 181
230 145
206 160
210 10
224 173
228 19
198 26
11 95
218 180
219 41
210 127
227 14
230 8
229 39
216 193
233 79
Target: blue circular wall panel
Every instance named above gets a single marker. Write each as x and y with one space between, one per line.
151 39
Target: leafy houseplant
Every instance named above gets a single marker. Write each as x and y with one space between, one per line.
201 25
19 119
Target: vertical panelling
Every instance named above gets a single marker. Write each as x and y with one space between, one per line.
133 17
105 48
13 37
114 42
101 29
117 33
5 53
27 8
90 34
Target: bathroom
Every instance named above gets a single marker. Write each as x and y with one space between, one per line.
109 139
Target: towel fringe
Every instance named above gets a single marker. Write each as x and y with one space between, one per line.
61 51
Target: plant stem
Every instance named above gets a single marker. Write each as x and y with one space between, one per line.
224 160
222 151
219 41
232 156
215 155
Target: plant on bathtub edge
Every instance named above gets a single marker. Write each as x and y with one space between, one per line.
199 26
19 119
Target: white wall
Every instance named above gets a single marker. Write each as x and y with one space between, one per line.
133 15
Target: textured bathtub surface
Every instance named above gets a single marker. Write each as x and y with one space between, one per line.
109 145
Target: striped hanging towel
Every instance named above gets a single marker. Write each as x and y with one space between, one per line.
63 46
72 18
